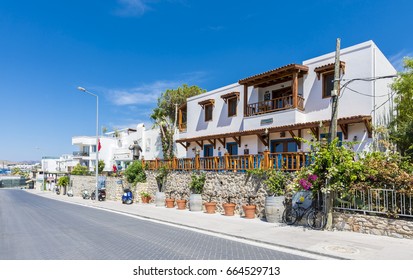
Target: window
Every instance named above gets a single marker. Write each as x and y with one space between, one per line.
93 148
328 84
232 107
207 105
327 73
208 112
231 99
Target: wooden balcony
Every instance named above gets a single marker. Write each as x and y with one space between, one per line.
274 105
238 163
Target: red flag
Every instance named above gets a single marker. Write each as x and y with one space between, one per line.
99 146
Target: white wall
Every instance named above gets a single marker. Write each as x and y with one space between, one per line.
221 123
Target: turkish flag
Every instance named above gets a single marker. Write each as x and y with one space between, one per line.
99 146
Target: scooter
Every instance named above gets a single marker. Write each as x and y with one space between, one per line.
101 194
70 193
127 197
57 190
85 194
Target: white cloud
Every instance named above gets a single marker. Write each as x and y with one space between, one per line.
131 8
136 8
146 94
397 59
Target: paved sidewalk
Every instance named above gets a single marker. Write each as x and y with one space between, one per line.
335 244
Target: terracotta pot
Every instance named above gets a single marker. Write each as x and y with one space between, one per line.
170 202
181 204
249 211
229 209
210 207
145 199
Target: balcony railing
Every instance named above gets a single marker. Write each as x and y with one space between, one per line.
80 154
273 105
235 163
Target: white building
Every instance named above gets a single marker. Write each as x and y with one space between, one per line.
270 109
115 147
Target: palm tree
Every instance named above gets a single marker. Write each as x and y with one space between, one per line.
166 129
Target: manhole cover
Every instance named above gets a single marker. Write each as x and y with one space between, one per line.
341 249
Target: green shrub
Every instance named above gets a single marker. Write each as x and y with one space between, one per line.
197 183
135 173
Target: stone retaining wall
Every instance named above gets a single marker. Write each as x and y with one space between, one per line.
220 184
376 225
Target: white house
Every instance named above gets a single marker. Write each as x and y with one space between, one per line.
115 147
268 110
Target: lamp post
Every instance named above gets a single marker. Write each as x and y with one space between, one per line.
97 139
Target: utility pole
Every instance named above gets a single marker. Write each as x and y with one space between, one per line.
333 128
335 93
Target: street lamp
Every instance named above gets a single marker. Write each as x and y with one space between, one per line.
97 138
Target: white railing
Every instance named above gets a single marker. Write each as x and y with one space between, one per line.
381 201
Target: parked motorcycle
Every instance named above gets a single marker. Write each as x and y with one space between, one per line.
127 197
70 193
57 190
85 194
101 194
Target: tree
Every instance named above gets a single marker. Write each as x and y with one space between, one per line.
164 116
80 170
401 128
63 181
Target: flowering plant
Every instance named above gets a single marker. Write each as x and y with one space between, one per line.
307 183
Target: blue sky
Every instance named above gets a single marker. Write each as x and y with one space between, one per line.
129 51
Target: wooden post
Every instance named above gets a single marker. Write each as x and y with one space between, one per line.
156 163
245 100
266 164
250 162
197 162
216 162
295 89
174 163
226 161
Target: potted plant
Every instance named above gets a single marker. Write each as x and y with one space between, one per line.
229 207
170 201
160 177
145 196
196 186
275 181
181 202
249 208
210 206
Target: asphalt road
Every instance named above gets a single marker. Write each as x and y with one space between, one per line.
37 228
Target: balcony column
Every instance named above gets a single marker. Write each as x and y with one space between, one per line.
294 88
246 113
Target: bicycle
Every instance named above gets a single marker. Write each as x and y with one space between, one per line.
316 218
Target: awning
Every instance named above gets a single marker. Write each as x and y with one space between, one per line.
342 122
275 76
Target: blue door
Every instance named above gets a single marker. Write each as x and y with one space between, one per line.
232 148
208 150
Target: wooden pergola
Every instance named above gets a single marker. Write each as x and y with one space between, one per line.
295 130
290 72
